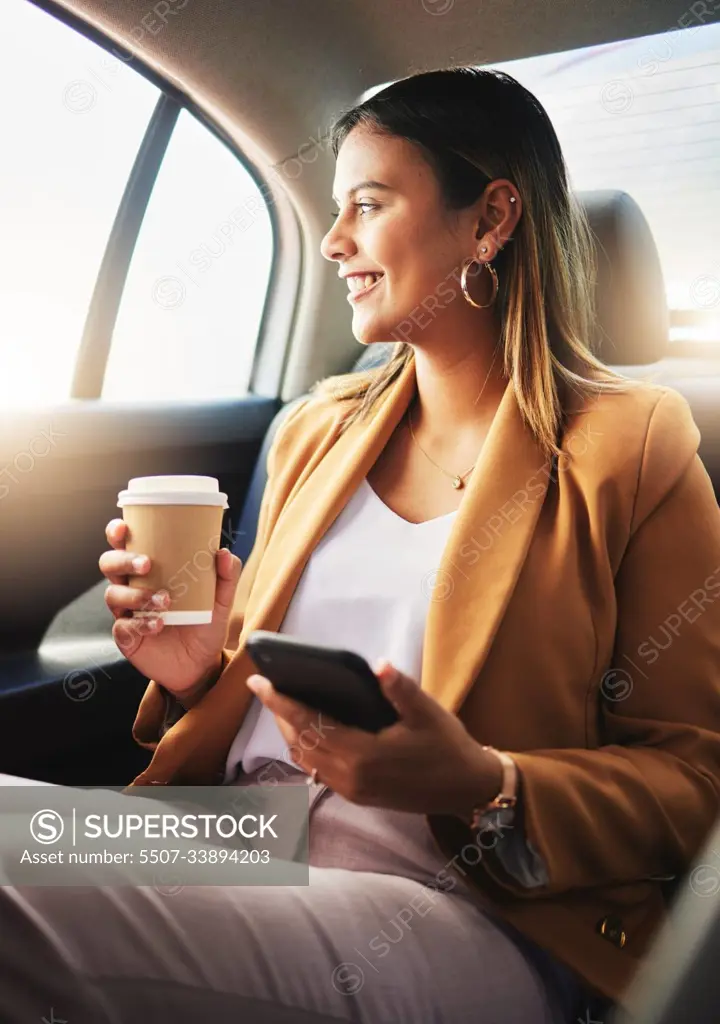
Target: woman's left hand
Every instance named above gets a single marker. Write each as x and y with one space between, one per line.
427 762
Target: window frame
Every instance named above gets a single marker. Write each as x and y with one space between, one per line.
280 304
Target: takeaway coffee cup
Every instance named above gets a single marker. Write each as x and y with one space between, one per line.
176 521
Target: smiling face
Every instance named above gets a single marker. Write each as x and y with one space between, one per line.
392 224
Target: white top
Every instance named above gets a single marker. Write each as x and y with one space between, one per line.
366 588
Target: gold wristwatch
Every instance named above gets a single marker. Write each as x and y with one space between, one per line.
506 798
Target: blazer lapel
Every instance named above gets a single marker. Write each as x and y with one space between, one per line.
340 466
476 577
484 555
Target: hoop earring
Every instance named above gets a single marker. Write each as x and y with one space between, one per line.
464 287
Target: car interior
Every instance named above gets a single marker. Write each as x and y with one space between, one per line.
164 304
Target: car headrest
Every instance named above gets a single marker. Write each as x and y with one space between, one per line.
632 314
631 309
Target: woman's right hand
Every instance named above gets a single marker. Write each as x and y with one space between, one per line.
180 658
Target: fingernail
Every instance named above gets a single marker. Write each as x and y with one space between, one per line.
139 564
159 599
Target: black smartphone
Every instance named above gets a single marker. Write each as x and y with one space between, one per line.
338 683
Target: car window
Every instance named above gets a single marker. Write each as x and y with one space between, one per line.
643 115
71 120
189 319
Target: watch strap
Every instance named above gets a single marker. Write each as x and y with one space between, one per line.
507 797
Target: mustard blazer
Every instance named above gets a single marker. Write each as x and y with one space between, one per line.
577 627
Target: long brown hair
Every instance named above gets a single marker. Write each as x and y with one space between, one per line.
474 126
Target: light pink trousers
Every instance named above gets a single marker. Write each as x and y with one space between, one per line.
368 941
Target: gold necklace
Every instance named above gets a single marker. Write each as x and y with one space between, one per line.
458 481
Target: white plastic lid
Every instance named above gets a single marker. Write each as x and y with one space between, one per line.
173 490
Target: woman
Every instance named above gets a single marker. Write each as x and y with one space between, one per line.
504 521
